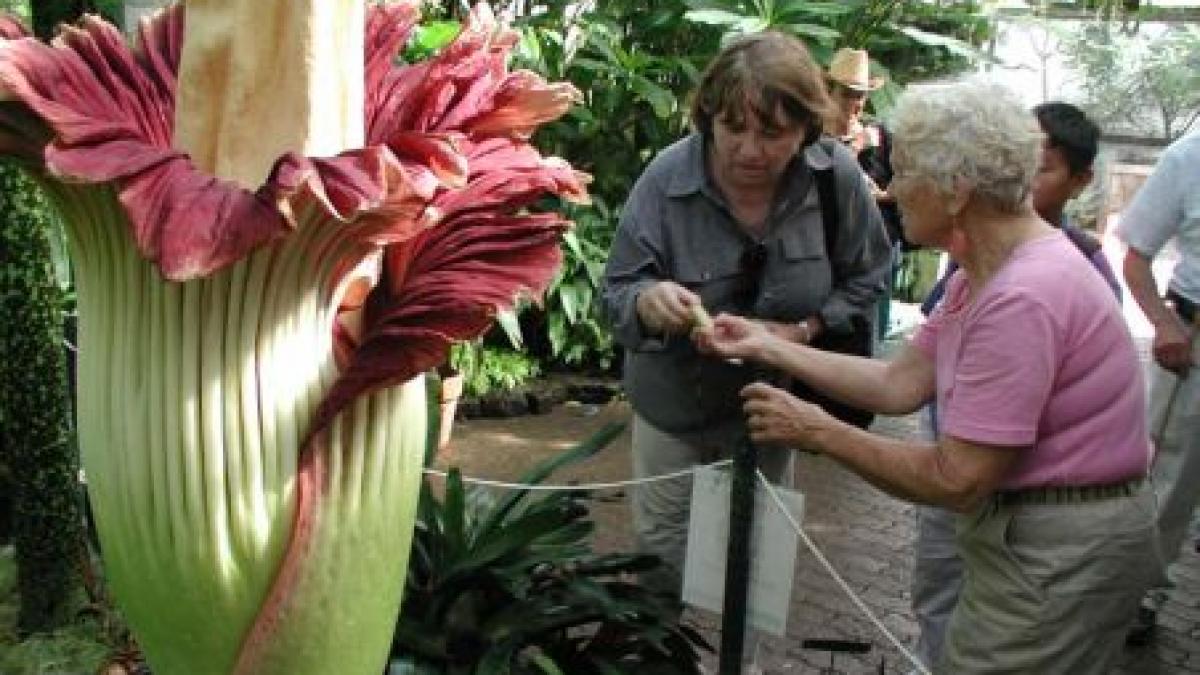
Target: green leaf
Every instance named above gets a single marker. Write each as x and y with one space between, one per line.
596 40
595 272
828 10
511 325
660 99
583 294
953 45
715 17
752 24
569 300
453 514
497 660
812 30
572 241
556 330
544 469
431 36
545 664
593 65
529 48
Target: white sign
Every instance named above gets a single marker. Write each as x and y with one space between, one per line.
772 550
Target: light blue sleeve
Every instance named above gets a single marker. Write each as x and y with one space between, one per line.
1157 210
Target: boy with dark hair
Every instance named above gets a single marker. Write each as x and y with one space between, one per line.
1065 169
1068 152
1072 141
1070 130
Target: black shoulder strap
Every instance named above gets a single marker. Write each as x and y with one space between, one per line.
827 196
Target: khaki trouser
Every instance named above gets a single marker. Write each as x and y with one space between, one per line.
1050 588
1174 419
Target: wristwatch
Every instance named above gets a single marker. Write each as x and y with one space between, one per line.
807 331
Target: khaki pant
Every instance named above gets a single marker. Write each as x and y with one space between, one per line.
1050 588
1174 419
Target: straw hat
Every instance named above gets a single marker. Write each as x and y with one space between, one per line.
849 68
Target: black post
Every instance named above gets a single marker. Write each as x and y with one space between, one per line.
737 561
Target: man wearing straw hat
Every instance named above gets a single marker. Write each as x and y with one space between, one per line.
849 82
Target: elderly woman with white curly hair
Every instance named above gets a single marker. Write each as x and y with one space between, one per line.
1043 444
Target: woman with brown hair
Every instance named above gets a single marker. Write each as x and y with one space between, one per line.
728 219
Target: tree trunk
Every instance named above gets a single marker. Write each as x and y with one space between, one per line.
36 436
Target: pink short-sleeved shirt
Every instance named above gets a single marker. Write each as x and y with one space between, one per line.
1041 359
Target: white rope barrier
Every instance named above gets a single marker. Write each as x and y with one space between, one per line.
585 487
787 514
862 606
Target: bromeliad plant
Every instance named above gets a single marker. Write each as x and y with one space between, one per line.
511 585
277 227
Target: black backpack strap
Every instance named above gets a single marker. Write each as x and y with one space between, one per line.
827 197
858 341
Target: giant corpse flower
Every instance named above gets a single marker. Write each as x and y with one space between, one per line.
277 226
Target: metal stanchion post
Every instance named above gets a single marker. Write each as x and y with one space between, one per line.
737 561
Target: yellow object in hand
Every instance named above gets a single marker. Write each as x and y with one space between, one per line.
700 318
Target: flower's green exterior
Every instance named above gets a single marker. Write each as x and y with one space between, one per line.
251 402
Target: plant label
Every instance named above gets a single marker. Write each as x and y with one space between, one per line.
773 544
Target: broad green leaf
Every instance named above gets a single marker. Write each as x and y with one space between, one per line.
556 330
595 272
661 100
953 45
569 301
828 10
497 660
529 48
572 241
542 470
453 514
583 294
814 31
433 35
597 40
661 18
715 17
753 24
595 65
508 322
545 664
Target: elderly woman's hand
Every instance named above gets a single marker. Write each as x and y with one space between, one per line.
775 417
734 337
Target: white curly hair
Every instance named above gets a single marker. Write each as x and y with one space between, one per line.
973 132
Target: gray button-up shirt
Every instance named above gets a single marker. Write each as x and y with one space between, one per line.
677 226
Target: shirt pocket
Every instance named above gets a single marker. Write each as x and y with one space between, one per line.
803 269
716 276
